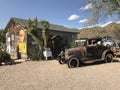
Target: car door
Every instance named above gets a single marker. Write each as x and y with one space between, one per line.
92 51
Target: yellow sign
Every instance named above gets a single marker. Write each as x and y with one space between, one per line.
22 48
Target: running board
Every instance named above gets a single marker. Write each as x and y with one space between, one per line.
91 61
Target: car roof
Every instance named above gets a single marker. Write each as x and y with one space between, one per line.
90 39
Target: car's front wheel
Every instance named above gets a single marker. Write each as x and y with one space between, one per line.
73 62
108 58
61 61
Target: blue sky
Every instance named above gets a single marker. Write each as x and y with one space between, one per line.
69 13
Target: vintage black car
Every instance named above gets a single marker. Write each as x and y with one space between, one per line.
87 50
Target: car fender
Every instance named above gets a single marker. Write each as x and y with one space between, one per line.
71 56
105 52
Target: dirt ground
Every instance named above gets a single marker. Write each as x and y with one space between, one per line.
50 75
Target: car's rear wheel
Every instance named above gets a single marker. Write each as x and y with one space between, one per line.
108 58
73 62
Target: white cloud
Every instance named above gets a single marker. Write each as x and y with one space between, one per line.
87 7
73 17
83 21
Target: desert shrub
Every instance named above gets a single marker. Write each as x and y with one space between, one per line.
34 53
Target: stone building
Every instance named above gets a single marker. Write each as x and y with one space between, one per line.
17 39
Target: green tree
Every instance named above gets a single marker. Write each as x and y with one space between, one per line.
32 30
45 32
2 36
103 8
113 7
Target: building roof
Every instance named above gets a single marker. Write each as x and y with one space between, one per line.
23 22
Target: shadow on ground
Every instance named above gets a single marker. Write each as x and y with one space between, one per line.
98 63
12 62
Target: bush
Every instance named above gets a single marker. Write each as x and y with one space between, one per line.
72 44
4 56
34 53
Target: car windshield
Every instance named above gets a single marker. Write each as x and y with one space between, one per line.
94 41
80 42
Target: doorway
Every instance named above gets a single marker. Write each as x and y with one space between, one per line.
56 45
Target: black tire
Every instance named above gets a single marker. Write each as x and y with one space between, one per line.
73 62
108 58
61 61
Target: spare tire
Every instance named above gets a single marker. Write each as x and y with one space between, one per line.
73 62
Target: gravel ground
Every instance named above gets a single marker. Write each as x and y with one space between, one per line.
50 75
